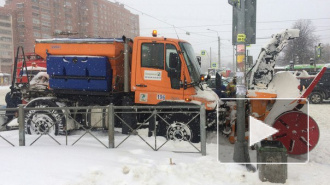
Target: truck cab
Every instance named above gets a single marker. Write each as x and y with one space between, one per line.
167 70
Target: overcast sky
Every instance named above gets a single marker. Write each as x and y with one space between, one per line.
196 16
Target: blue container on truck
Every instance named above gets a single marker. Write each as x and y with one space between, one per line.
92 73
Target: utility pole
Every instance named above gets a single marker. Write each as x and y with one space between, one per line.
218 51
233 59
210 57
241 153
218 46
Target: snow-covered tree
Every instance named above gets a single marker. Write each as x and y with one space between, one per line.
300 50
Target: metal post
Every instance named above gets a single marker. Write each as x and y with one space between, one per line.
218 48
210 57
203 129
66 126
126 66
21 126
219 51
241 153
111 127
315 58
233 59
154 122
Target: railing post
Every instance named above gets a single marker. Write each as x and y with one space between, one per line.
111 127
154 122
21 126
66 126
203 129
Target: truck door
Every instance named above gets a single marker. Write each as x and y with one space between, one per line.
158 79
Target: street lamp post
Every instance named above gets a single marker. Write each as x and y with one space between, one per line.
218 45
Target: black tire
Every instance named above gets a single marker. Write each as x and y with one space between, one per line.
177 128
41 121
316 98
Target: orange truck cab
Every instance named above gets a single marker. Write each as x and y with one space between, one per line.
167 70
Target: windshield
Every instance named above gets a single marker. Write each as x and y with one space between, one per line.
191 61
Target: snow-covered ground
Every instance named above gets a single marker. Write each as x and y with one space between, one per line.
88 162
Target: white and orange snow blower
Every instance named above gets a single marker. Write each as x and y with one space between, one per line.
278 100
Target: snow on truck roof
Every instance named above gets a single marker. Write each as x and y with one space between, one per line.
73 40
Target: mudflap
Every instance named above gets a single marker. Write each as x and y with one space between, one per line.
129 118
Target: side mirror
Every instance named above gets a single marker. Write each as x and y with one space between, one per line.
199 60
218 81
174 60
174 71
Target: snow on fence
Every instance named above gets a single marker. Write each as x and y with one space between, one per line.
101 126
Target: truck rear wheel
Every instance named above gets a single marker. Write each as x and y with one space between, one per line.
44 121
177 129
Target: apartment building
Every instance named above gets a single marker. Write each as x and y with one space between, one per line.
35 19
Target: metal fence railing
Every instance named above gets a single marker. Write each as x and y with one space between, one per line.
53 123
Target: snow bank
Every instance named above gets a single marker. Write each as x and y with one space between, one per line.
285 85
134 162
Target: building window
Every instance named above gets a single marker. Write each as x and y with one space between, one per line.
35 7
3 24
5 17
6 53
69 28
6 39
44 23
46 36
36 34
20 19
36 28
5 32
20 5
5 46
47 17
45 29
35 21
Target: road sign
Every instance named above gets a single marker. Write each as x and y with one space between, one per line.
203 53
214 65
235 3
241 37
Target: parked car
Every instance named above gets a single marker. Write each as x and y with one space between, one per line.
321 91
213 85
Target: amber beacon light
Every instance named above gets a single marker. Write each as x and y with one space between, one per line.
154 33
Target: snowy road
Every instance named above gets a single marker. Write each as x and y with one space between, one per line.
134 162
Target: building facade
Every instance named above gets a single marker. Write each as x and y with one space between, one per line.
6 41
41 19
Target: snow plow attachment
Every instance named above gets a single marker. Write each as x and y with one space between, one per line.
298 132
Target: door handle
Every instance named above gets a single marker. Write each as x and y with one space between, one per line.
141 85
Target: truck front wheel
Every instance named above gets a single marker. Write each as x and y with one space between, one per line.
177 128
